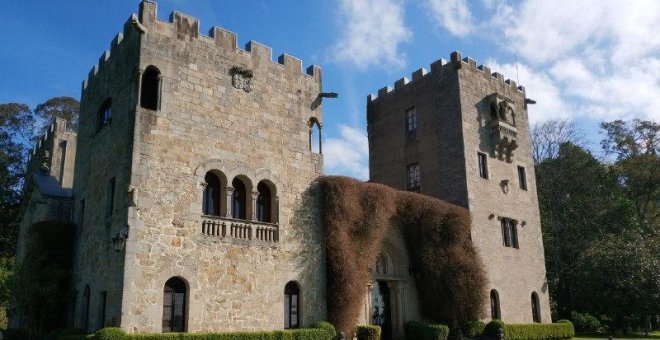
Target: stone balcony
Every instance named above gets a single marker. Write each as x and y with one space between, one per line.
234 229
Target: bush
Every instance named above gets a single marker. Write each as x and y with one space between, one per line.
473 329
539 331
326 326
585 322
110 333
493 327
368 332
416 330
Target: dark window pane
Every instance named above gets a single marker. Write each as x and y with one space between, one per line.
522 178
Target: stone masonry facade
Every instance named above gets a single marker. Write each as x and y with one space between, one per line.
196 162
462 110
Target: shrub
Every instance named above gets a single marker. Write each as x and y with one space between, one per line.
416 330
368 332
449 275
585 322
326 326
539 331
110 333
65 333
473 329
492 328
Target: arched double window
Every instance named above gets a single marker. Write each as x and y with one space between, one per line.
150 88
495 305
536 308
239 199
265 198
174 305
211 204
291 305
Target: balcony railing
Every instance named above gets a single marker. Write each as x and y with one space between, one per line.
229 228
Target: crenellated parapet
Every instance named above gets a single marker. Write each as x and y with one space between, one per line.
41 155
441 65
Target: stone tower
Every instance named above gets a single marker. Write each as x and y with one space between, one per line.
461 133
192 184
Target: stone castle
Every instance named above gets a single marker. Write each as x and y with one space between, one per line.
190 183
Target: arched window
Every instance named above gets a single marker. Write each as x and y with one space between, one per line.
150 90
495 305
536 308
212 195
104 114
315 144
174 305
239 200
291 305
264 203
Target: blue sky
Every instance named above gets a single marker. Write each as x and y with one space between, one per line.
587 60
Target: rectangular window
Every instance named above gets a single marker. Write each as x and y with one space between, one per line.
522 178
411 125
509 232
414 178
483 165
111 197
102 304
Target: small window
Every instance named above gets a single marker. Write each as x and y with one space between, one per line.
522 178
264 203
411 125
174 305
151 88
103 301
291 305
315 143
111 197
414 177
495 305
509 232
105 113
239 200
536 308
85 306
483 165
212 195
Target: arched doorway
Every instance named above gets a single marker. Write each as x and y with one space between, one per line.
174 305
386 299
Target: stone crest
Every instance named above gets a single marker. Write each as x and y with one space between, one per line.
241 78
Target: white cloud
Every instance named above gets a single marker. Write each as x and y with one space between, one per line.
453 15
373 31
601 58
348 154
538 86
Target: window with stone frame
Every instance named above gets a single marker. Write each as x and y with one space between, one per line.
212 198
483 164
150 88
495 305
522 178
264 203
411 125
239 200
413 177
536 308
104 114
509 232
291 305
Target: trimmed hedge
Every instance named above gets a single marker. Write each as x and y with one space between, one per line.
473 329
416 330
368 332
321 331
493 327
539 331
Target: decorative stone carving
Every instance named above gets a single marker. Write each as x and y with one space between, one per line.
241 78
503 126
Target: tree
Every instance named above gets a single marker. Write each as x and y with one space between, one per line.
61 107
636 146
549 135
580 202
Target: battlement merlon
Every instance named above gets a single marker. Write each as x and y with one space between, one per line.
455 62
187 26
57 127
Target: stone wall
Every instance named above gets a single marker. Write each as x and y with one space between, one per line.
454 123
210 121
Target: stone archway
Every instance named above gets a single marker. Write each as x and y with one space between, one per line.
385 300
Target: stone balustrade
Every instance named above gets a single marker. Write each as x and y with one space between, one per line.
224 227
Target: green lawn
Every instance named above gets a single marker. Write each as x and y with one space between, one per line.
652 335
